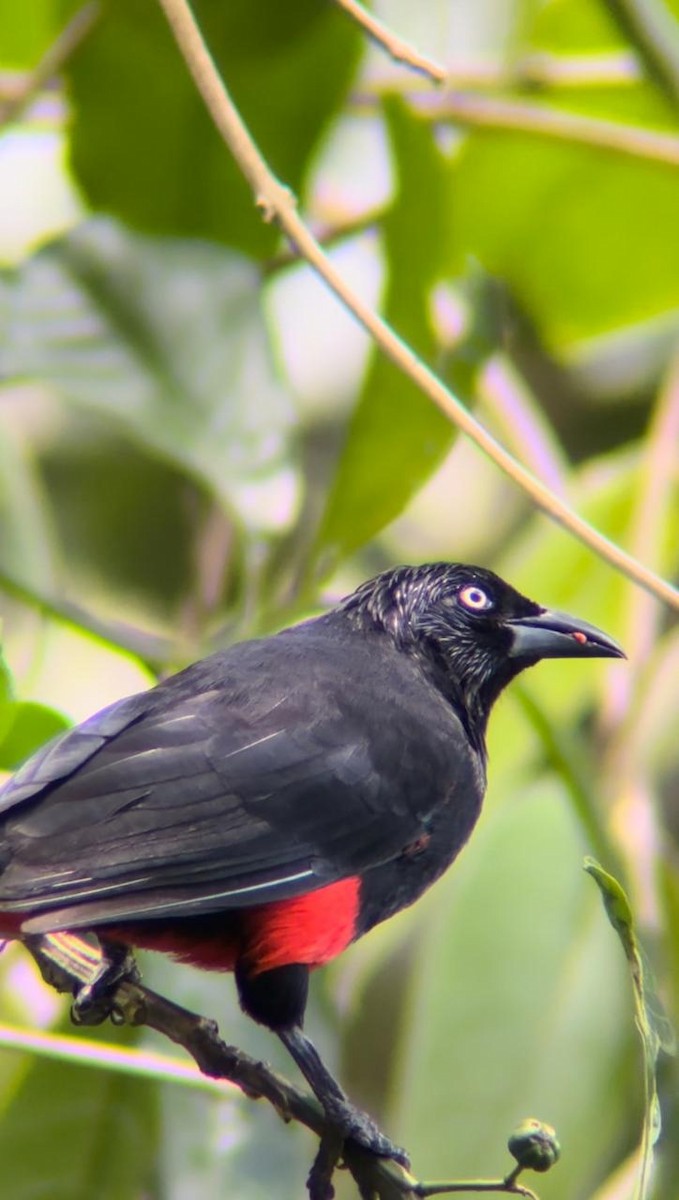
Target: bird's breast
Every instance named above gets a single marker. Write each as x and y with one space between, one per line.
391 886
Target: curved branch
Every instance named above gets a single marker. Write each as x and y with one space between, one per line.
542 120
538 69
67 961
277 204
395 47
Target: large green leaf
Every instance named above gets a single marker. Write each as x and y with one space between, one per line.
143 146
575 26
606 254
138 532
72 1133
163 337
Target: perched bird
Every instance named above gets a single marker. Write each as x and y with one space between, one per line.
270 804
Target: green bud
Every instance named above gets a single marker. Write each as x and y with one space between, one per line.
534 1145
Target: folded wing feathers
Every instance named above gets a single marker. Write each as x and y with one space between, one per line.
158 807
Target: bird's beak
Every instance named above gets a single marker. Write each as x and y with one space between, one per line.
558 635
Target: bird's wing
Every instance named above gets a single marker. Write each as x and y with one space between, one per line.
185 801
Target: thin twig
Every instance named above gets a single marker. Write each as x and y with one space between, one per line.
522 423
492 112
536 70
395 46
508 1186
329 234
52 62
277 203
542 69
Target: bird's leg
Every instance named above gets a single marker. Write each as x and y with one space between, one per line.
94 1001
277 998
352 1121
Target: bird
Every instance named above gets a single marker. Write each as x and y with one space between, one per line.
262 809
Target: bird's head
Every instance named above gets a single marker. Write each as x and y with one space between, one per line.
477 631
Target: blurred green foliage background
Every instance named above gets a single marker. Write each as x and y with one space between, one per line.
197 445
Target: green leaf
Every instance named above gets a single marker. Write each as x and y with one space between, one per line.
138 532
31 725
574 280
575 26
72 1133
619 913
165 338
28 29
143 145
396 437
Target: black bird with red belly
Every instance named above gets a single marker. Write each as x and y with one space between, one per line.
267 806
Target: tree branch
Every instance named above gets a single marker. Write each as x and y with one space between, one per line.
67 962
542 69
395 47
495 112
534 70
328 234
277 204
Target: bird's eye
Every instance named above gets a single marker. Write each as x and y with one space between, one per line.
475 598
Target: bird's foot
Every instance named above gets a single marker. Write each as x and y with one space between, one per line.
95 1000
356 1125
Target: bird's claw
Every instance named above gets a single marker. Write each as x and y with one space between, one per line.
94 1001
358 1127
